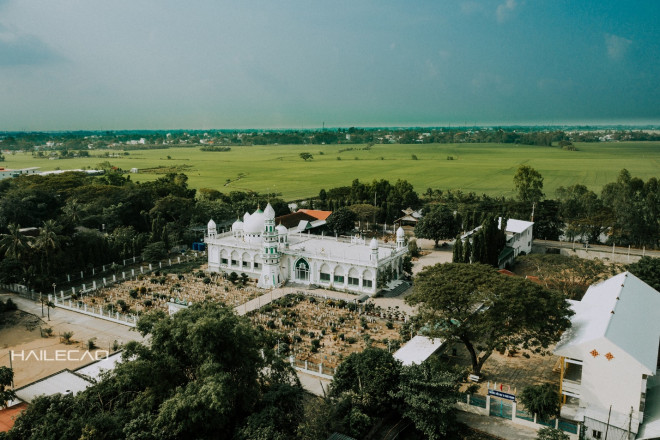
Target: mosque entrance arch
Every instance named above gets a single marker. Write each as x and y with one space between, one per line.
302 270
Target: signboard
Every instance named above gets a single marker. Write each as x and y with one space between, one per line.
502 395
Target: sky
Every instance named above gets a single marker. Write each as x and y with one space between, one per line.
205 64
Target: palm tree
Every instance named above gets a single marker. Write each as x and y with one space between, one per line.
73 211
15 243
48 242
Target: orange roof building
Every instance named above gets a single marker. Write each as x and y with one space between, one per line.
319 215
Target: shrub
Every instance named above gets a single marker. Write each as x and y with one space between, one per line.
148 303
541 399
389 325
48 331
66 337
91 344
133 293
351 340
551 434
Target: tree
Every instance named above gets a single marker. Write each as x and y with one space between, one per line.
364 211
529 184
457 252
154 252
648 270
341 221
14 244
306 156
570 275
373 375
205 371
547 433
428 392
485 310
542 400
6 392
582 211
437 224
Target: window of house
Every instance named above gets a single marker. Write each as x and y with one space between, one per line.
223 260
339 278
256 265
234 262
325 277
353 281
367 283
245 264
596 434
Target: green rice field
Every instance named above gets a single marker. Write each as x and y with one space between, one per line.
481 168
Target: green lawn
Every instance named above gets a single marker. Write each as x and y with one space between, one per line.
482 168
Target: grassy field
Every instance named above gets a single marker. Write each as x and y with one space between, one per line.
482 168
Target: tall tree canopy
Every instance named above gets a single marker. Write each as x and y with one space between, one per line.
201 376
529 184
437 224
647 269
485 310
341 221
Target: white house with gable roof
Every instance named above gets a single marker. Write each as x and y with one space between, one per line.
273 254
609 361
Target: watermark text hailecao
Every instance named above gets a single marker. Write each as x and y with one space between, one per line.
58 355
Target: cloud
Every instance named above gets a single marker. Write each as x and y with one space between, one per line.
616 46
505 10
18 49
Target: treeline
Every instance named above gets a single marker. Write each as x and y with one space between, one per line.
388 199
64 223
626 212
138 140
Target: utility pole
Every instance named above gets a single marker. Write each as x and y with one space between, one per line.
607 428
533 207
629 423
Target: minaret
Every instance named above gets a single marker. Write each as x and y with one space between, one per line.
400 238
270 273
211 229
374 250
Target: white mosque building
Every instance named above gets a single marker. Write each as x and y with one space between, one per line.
273 255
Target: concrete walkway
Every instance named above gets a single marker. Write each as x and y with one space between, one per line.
84 326
496 426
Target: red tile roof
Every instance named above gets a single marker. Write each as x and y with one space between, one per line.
319 215
7 416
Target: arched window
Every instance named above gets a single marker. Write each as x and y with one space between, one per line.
353 277
302 270
324 275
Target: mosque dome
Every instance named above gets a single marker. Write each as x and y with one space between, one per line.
237 225
254 225
281 229
246 216
211 224
373 244
400 233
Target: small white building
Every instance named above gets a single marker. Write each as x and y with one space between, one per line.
273 255
609 360
518 235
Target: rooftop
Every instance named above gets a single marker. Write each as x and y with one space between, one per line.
64 382
623 309
417 350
